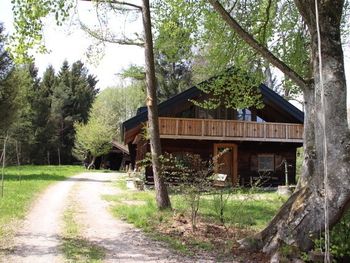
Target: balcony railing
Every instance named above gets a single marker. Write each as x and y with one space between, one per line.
183 128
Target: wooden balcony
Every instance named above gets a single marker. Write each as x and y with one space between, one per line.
228 130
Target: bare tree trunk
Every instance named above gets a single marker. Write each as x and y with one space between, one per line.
59 156
162 196
3 166
92 163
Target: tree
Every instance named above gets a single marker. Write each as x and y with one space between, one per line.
162 196
111 107
207 36
94 137
8 90
72 97
28 22
326 136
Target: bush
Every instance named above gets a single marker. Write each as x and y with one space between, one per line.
339 240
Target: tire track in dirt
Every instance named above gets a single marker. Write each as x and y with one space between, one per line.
38 238
123 243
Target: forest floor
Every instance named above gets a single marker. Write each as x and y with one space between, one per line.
71 222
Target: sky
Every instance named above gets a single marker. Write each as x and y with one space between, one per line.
71 43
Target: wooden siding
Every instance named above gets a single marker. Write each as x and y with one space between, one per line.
209 129
247 158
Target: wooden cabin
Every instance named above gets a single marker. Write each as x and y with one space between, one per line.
257 141
118 158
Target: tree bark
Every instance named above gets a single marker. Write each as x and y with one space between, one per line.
162 196
302 217
261 49
92 163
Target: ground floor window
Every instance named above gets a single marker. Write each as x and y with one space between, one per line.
266 162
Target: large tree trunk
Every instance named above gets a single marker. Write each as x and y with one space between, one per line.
162 196
302 217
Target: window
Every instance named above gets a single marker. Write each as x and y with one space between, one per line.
266 162
244 115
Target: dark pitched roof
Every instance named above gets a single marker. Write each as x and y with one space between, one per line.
268 96
121 147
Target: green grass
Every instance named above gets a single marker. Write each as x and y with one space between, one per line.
245 209
21 186
75 248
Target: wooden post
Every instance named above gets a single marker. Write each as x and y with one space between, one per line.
286 171
224 128
177 127
203 127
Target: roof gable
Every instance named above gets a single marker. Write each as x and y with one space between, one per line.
270 98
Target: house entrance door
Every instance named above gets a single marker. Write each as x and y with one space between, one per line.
226 162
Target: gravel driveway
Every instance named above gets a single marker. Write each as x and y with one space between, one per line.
40 237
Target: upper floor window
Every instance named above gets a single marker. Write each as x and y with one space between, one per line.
244 115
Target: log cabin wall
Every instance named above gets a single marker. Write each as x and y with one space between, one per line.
249 155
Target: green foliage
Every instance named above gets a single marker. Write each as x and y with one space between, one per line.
40 112
213 46
134 72
220 199
29 24
339 239
232 89
94 137
190 176
8 88
111 107
172 77
244 209
117 104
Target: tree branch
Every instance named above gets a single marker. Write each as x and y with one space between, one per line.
249 39
112 39
119 3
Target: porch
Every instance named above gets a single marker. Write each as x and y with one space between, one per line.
229 130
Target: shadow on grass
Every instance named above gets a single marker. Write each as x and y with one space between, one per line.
82 250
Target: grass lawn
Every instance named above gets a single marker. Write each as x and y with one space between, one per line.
245 213
22 185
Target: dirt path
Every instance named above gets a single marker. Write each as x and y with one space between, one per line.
123 243
40 237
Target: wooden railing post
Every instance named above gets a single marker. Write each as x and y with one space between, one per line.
177 127
203 128
224 129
